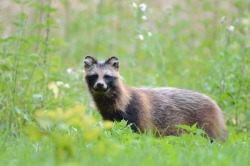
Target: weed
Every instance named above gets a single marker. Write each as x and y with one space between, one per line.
46 114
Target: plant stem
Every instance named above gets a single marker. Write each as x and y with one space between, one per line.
18 47
45 53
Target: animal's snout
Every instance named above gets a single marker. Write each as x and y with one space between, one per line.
100 85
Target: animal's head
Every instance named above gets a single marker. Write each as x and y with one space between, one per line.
102 76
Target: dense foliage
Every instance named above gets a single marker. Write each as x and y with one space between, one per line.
46 114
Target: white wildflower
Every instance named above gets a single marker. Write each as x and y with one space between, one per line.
66 86
59 83
144 17
141 37
223 19
134 5
143 7
69 70
231 28
149 34
245 21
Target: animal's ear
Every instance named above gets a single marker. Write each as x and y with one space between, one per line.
89 61
113 61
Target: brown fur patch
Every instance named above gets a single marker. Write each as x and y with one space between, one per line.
145 114
124 97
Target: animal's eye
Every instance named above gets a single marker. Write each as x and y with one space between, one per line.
108 77
93 77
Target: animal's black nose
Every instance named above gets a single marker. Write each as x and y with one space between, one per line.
100 85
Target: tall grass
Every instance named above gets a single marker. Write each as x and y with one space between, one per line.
203 46
25 66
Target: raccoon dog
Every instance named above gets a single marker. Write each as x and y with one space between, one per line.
156 109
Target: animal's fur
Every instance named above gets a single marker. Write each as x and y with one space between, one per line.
156 109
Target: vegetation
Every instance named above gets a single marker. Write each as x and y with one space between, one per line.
46 114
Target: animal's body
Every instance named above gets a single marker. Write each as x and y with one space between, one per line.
156 109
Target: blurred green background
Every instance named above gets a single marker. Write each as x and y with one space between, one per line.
198 45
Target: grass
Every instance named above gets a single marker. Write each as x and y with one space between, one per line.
123 148
46 115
